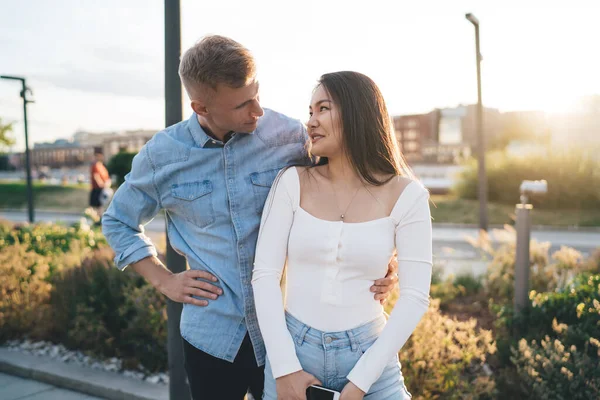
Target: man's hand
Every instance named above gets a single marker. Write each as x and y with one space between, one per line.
352 392
294 385
182 286
383 287
178 287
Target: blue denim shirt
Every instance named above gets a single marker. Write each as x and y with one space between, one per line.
213 195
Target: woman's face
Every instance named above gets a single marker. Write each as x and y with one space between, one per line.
324 126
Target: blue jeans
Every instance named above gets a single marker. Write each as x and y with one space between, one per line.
330 356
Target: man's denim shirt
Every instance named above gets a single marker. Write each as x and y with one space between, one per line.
213 196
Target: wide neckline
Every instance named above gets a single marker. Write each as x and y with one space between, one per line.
389 217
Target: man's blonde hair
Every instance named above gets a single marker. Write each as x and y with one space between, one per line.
216 60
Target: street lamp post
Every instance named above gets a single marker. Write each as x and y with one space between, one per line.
178 386
24 92
482 177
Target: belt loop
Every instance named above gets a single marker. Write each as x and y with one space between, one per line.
353 342
302 335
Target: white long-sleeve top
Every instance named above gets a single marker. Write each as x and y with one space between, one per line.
331 266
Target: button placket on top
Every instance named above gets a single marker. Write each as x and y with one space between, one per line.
332 288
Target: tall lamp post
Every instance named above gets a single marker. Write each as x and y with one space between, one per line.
482 177
24 91
178 386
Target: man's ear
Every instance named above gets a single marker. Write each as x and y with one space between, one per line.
199 107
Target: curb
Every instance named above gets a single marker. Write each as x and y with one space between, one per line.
107 385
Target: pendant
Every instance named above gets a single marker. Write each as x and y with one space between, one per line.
342 216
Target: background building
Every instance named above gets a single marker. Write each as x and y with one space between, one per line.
414 132
78 153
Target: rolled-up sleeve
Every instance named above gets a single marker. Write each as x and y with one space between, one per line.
134 204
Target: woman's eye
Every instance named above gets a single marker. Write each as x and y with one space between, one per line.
323 108
310 113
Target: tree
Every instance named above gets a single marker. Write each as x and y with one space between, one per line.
5 138
522 127
120 165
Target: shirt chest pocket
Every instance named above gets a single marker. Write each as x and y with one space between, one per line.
193 201
261 185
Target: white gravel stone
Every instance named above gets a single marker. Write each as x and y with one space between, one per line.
487 370
153 379
60 352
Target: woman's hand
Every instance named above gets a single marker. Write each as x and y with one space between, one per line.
352 392
294 385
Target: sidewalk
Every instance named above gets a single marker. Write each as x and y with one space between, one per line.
13 388
25 376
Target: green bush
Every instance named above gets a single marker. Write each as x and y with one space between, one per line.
66 246
547 272
453 287
550 370
576 307
120 165
29 256
59 284
533 341
24 290
445 358
110 313
573 179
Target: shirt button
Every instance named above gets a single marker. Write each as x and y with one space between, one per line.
213 142
231 181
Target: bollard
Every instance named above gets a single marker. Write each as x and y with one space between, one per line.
523 227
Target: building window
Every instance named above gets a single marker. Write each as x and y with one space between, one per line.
411 147
412 123
411 134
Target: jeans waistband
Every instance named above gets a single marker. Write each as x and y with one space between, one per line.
351 338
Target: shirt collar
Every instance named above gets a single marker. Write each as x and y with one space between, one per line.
200 137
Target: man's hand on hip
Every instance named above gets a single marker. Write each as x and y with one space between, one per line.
183 286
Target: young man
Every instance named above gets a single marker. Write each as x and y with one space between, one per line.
211 174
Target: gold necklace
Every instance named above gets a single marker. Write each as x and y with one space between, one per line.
343 214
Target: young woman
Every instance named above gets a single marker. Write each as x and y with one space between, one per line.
336 225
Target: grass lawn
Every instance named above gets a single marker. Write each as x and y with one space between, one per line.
70 198
447 208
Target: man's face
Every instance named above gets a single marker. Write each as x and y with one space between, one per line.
235 109
99 157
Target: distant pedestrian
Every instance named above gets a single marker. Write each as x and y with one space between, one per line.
100 180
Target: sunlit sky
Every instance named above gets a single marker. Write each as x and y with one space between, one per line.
98 65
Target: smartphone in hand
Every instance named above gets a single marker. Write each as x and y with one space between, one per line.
314 392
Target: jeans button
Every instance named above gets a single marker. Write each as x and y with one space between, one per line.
328 340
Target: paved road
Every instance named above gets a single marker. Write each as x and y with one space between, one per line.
13 388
